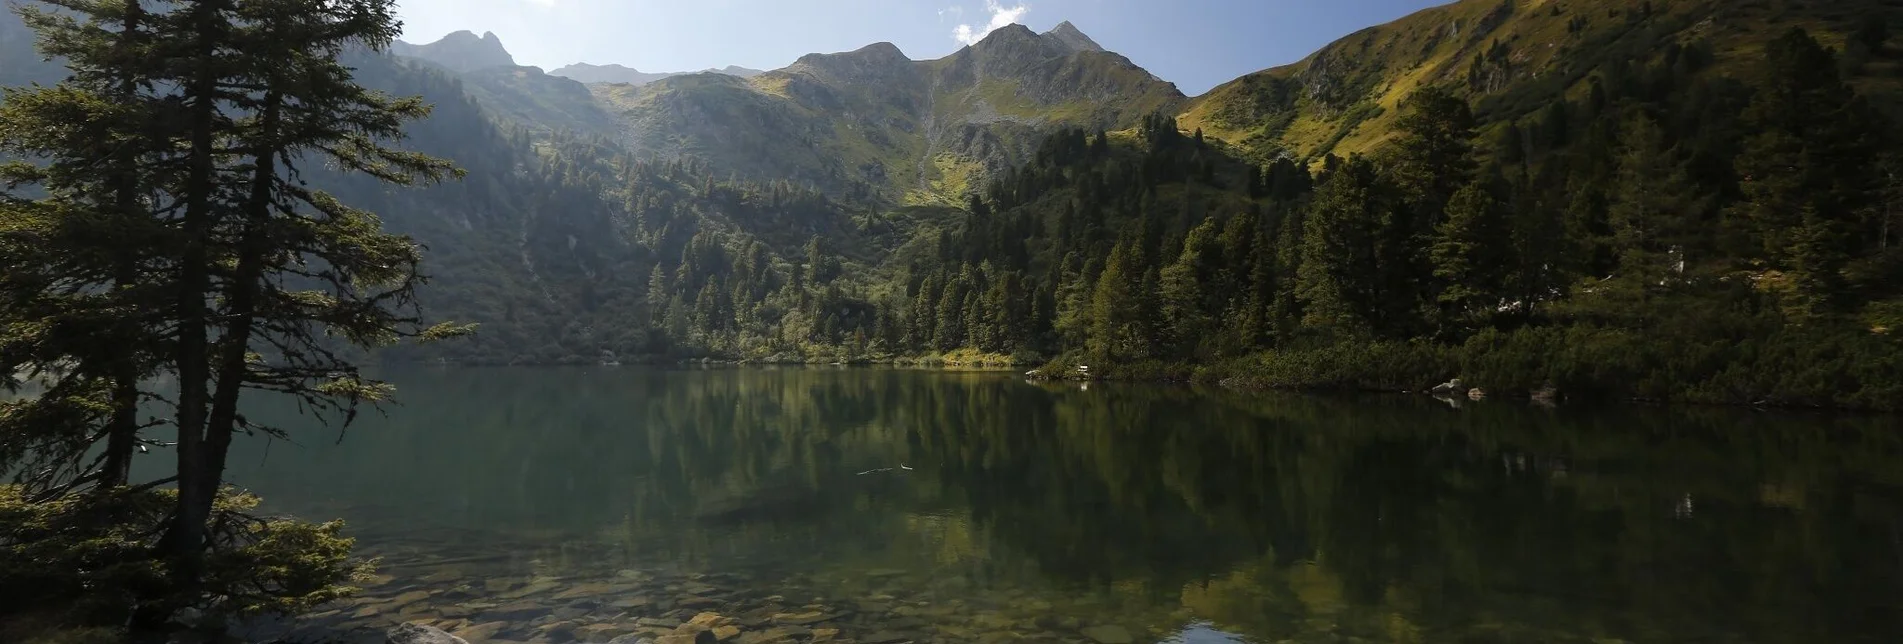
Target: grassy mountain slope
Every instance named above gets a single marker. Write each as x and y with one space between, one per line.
541 103
872 123
1508 56
587 73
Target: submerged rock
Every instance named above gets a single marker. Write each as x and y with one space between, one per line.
1108 634
420 634
481 632
702 637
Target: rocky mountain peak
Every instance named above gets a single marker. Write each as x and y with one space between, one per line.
877 62
462 51
878 53
1072 37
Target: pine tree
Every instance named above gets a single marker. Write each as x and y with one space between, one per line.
1114 325
1808 174
1470 253
1651 205
1434 156
79 273
1183 289
1335 280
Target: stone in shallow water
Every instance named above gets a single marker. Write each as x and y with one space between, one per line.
1108 634
697 602
408 598
703 637
725 633
800 619
585 590
535 588
480 632
630 602
445 576
558 630
600 632
889 637
825 634
658 622
778 634
515 611
420 634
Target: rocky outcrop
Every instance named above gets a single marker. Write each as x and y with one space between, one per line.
1073 38
462 51
1450 388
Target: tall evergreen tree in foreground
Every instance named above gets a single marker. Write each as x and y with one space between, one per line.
78 269
177 232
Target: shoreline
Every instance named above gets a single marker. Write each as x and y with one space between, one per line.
1225 376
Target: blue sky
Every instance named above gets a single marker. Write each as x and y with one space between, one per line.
1196 44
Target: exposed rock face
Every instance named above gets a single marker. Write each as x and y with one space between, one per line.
1071 37
462 51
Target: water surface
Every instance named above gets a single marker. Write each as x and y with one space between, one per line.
584 504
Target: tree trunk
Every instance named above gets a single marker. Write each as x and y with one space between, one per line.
122 434
183 545
242 298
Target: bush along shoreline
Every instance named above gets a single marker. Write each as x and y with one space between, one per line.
1845 371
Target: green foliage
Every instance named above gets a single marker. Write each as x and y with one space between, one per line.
84 559
174 230
1647 243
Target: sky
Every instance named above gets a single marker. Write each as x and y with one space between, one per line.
1196 44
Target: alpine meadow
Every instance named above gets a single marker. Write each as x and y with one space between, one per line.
235 222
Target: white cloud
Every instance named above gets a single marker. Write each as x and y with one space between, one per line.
1000 16
545 3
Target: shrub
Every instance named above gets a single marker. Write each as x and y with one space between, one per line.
85 559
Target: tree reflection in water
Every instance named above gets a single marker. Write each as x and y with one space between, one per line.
1274 516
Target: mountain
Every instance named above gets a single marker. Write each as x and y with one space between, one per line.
1510 57
1070 35
462 51
587 73
874 123
541 103
827 208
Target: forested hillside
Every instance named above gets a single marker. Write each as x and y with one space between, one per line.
1676 200
1510 58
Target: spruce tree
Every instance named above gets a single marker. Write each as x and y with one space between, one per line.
1470 253
1650 209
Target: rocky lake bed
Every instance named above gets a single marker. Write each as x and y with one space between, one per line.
467 601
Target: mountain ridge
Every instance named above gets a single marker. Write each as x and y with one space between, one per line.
872 122
613 73
460 51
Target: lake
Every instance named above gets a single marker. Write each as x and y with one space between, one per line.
888 505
